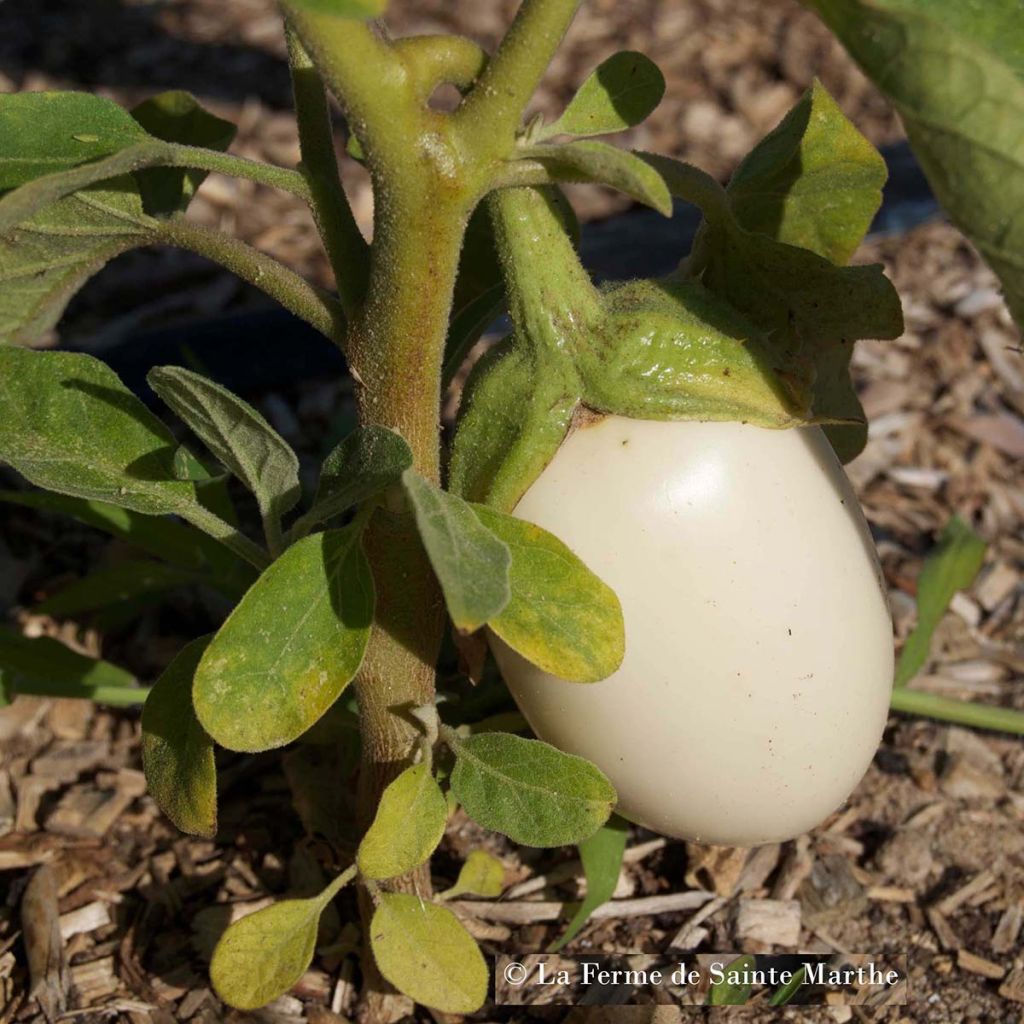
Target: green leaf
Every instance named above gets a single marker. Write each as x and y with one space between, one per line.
237 436
482 874
409 824
619 94
471 564
561 617
47 257
365 462
176 116
292 645
169 540
177 755
123 581
516 409
785 993
729 992
532 792
814 182
44 132
264 954
601 856
955 73
67 423
425 952
952 566
602 164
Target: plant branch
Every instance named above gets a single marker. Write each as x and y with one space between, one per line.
346 248
231 538
492 112
202 159
981 716
437 60
362 71
293 292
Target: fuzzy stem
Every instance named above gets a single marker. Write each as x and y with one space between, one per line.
293 292
346 248
492 112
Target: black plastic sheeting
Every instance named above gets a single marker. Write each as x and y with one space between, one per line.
265 349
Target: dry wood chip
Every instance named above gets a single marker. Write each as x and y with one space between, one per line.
768 922
1005 937
943 931
963 780
40 924
891 894
1000 581
714 867
30 790
1013 987
978 883
979 965
529 911
65 762
193 1003
1002 430
692 934
831 893
762 862
796 866
84 919
8 807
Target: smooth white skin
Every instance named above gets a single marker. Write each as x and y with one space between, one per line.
759 649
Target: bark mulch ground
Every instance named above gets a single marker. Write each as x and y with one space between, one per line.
108 913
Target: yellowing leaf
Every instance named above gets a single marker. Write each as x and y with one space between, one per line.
408 826
291 646
482 874
177 755
264 954
425 952
561 616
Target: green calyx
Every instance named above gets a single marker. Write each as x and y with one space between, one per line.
757 325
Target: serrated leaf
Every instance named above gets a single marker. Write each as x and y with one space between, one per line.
529 790
482 874
355 9
561 616
733 990
813 182
176 116
602 164
601 856
44 132
409 824
955 73
619 94
46 258
952 566
516 409
123 581
292 645
364 463
425 952
264 954
470 563
177 755
237 436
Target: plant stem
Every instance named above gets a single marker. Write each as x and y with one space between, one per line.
346 248
293 292
492 112
981 716
431 61
231 538
200 159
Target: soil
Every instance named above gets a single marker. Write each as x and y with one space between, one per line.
926 859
